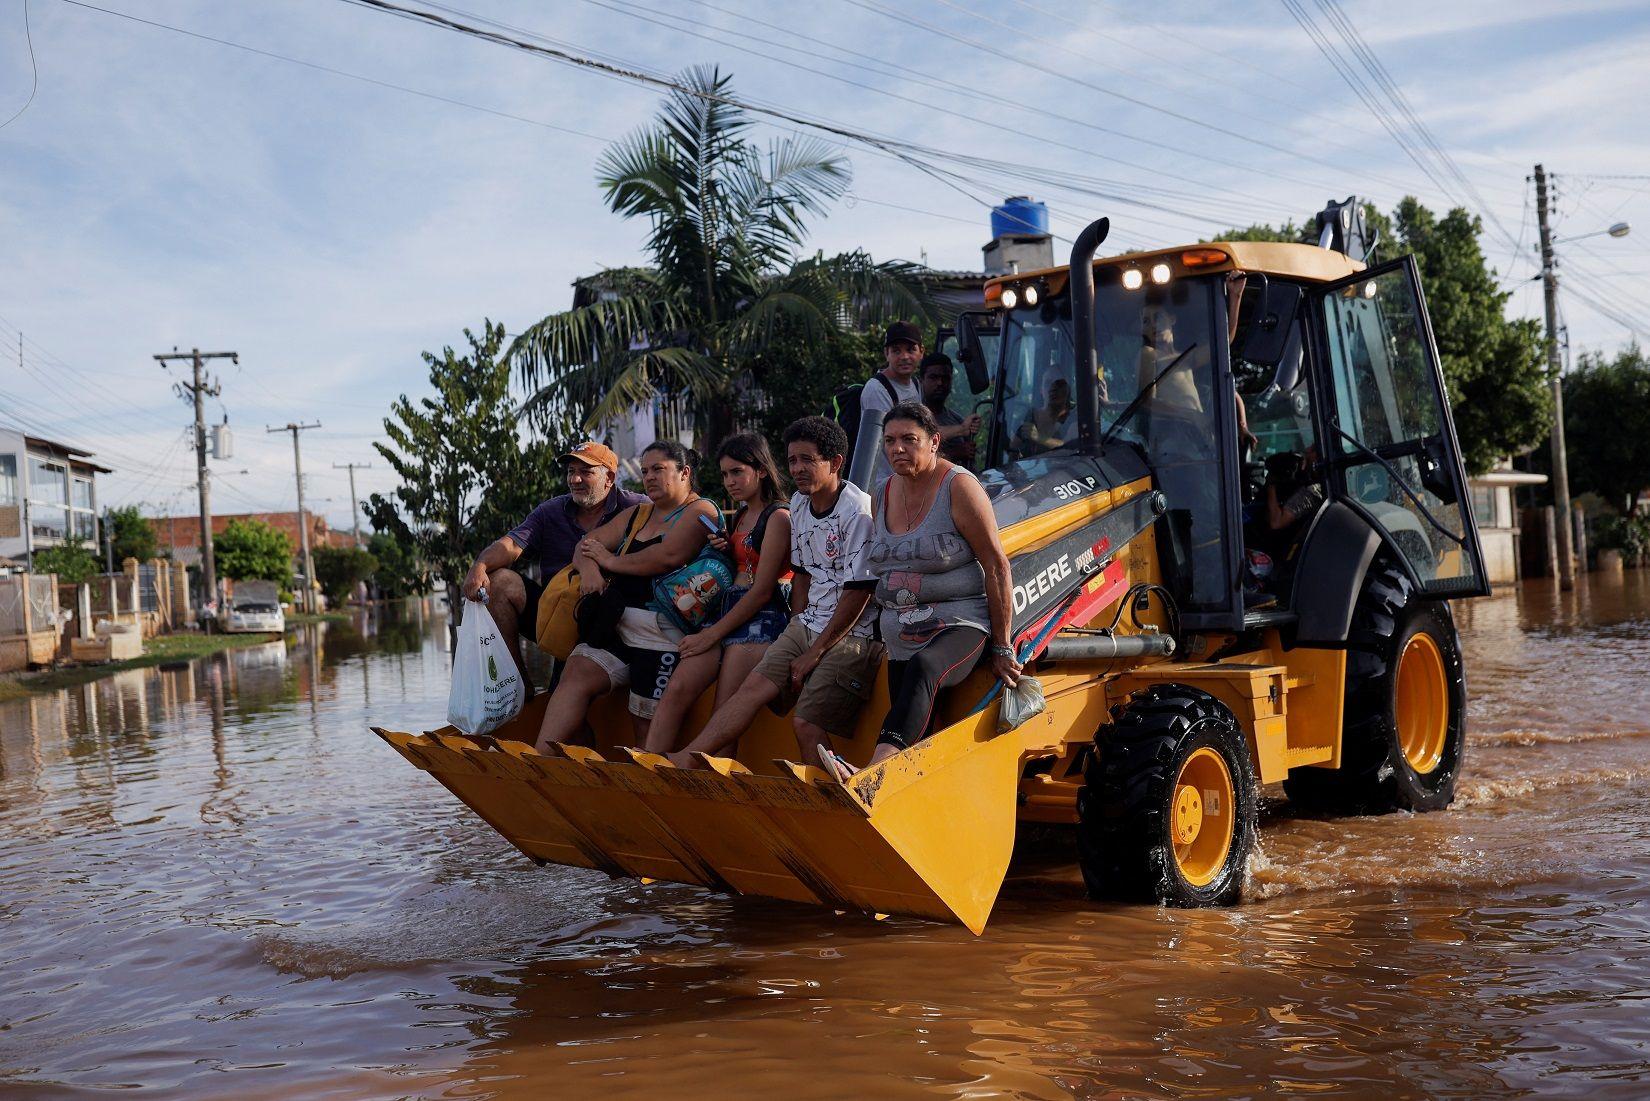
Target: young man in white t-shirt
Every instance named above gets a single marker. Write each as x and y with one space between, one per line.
825 662
902 350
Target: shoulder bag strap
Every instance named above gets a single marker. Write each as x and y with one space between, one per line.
630 528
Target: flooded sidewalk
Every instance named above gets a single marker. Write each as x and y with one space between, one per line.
215 881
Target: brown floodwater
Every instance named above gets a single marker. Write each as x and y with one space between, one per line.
214 882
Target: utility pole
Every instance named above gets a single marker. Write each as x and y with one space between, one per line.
200 388
303 520
354 503
1561 466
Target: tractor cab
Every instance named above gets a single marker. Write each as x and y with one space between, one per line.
1333 365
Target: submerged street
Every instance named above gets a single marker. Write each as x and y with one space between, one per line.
216 881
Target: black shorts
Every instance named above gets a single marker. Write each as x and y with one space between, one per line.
528 626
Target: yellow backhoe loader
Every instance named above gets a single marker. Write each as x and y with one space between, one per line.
1180 672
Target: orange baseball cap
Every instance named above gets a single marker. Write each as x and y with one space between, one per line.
592 453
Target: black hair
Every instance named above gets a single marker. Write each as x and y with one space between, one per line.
935 359
824 433
683 456
913 411
752 450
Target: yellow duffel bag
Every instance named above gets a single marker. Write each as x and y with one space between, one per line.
557 629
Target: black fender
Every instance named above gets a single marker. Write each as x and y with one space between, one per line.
1329 574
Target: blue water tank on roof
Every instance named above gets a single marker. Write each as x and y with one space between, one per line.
1017 215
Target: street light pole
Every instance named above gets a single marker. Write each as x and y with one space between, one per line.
1561 466
354 501
303 521
1567 564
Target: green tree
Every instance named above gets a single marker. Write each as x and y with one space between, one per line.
250 550
1607 425
338 569
813 372
132 535
400 572
1494 368
71 561
1288 233
726 280
470 469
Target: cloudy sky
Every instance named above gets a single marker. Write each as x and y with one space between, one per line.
330 190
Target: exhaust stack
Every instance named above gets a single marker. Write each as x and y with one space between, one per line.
1082 328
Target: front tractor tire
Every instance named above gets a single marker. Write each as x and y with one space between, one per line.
1403 733
1167 811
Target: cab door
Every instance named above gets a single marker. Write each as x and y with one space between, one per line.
1387 439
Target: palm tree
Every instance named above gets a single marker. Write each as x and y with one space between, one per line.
728 222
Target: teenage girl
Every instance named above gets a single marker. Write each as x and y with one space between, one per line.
755 611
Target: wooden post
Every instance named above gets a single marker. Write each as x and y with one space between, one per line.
1580 540
1550 525
163 592
83 608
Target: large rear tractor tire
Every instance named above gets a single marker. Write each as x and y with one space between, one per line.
1403 733
1167 812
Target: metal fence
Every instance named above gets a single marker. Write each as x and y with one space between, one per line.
12 595
27 601
149 582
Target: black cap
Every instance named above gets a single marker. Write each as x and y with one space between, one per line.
902 332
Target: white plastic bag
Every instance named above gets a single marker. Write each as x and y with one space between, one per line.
487 690
1022 702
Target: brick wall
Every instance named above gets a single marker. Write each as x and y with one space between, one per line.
185 531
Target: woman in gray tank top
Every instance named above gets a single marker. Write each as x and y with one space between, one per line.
942 577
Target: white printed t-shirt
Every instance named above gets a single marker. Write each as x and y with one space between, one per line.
832 549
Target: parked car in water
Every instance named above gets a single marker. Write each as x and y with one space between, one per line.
254 608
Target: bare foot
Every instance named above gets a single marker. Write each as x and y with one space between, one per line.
839 769
683 759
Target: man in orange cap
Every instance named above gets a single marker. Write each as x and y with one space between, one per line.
548 535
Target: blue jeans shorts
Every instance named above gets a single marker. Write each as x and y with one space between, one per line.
760 629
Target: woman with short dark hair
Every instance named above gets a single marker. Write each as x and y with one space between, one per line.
943 580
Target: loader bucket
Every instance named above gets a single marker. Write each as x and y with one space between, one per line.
928 833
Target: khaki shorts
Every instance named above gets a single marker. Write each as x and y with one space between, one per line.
836 691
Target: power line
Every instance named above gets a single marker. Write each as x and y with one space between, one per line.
882 9
1360 89
1203 192
1174 64
1383 79
955 89
346 74
881 147
34 70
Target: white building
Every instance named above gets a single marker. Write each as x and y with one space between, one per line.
1495 510
48 494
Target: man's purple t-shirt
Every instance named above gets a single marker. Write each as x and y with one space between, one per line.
551 531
